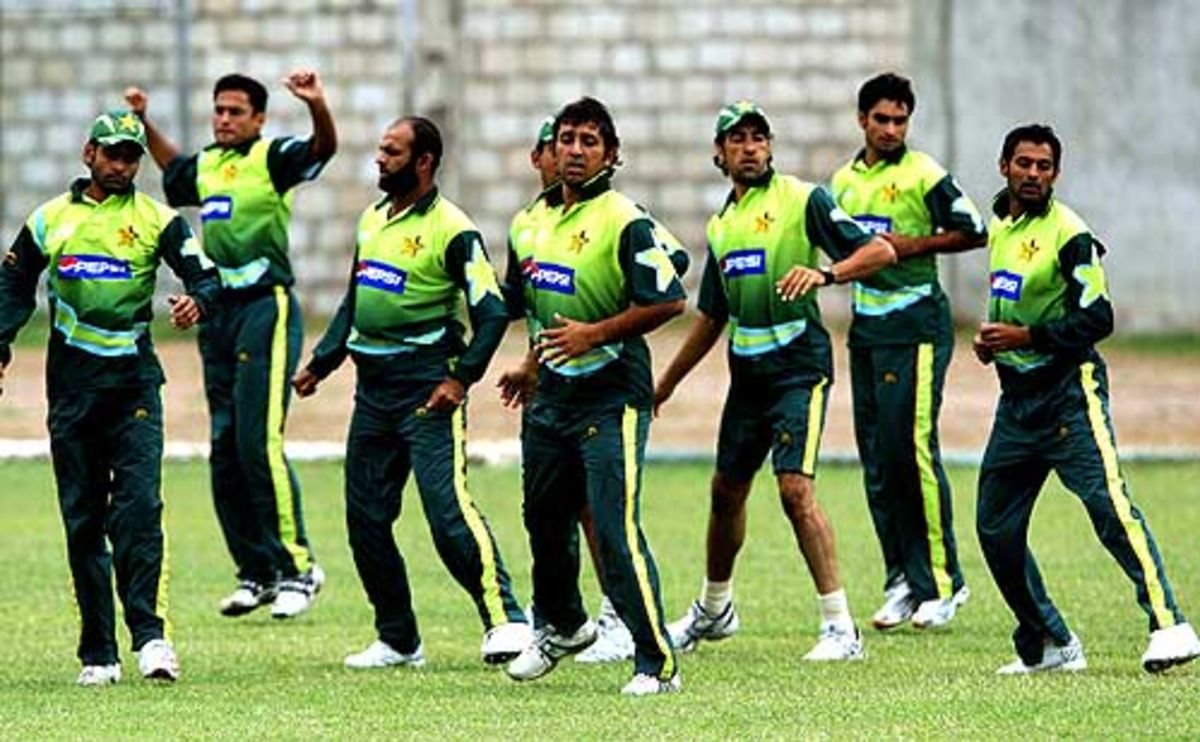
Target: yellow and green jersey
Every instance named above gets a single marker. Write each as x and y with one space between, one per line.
753 241
587 263
103 258
401 313
908 194
245 199
1046 275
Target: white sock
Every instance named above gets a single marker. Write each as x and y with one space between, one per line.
715 596
835 609
606 606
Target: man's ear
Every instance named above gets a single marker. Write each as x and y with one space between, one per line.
88 155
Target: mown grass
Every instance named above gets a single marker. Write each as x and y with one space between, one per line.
257 678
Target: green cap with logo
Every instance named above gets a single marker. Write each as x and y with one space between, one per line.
729 116
116 126
546 130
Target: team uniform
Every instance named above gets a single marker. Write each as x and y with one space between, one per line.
102 385
1053 414
251 351
780 360
399 322
901 340
584 435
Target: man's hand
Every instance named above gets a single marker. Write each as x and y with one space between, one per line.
982 352
185 312
999 336
797 282
662 392
305 383
305 84
446 396
517 386
570 339
137 100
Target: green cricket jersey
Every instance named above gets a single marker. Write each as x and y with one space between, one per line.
587 263
103 258
1046 275
777 224
908 194
245 199
400 316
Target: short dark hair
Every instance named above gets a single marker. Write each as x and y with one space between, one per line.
1034 134
588 110
886 86
253 89
426 138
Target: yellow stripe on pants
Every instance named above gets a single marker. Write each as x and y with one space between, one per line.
812 440
629 429
1134 530
930 491
487 555
280 481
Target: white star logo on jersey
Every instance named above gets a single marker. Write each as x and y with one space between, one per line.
656 259
1094 284
481 279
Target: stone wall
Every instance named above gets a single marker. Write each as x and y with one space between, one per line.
486 70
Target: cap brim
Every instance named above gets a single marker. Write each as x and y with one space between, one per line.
115 140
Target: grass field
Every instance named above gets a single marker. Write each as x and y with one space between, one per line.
252 677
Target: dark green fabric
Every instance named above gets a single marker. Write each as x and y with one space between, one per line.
106 448
769 415
883 379
392 435
236 351
571 457
1031 436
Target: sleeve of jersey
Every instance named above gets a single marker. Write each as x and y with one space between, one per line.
179 181
1089 314
512 289
829 228
22 266
467 263
182 254
951 211
649 273
290 162
331 351
713 302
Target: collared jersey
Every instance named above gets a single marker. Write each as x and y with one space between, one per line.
587 263
410 273
910 195
752 243
245 199
102 258
1046 275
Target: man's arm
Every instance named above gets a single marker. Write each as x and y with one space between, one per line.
958 227
306 85
19 272
467 263
183 256
702 336
161 148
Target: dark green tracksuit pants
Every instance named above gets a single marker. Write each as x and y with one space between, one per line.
575 455
897 392
250 350
1065 428
107 450
391 435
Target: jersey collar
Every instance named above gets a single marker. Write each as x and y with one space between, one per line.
1000 205
242 149
420 207
891 158
80 185
763 181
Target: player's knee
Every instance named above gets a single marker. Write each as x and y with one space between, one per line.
797 496
728 496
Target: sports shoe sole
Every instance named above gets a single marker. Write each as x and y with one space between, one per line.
1167 663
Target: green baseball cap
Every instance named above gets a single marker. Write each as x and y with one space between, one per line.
546 130
729 116
116 126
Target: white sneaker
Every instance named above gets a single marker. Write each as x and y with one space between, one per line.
614 643
698 624
1169 647
248 596
837 644
157 661
296 594
96 675
936 613
1067 658
504 642
898 606
649 685
548 648
381 654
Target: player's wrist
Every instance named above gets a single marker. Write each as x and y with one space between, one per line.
828 277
